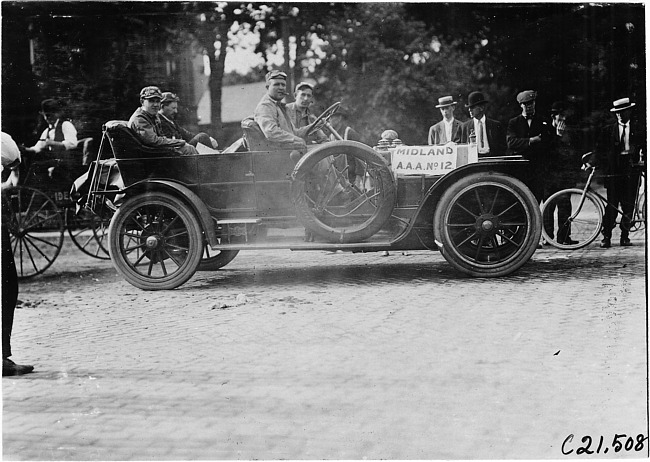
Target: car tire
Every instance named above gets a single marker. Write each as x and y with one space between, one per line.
330 204
489 224
155 241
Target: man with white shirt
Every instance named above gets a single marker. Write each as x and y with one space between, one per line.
488 133
617 154
60 135
448 130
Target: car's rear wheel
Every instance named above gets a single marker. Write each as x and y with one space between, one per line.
343 192
155 241
489 224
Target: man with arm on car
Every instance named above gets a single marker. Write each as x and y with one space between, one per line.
273 118
145 122
171 129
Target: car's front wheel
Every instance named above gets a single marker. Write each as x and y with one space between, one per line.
489 224
155 241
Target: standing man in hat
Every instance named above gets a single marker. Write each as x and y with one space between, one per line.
530 136
448 130
564 174
618 152
490 138
273 118
299 111
170 129
145 122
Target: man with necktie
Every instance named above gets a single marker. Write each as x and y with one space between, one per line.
618 153
449 129
530 136
490 139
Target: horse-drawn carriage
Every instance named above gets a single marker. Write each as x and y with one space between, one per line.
177 214
39 209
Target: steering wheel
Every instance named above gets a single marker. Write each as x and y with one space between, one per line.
322 119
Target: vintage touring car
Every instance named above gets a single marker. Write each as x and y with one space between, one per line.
175 214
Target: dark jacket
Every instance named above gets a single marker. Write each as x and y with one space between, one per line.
541 154
495 136
608 156
171 129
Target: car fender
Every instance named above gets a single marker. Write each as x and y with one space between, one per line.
516 167
184 193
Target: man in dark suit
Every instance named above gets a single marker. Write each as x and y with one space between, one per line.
618 153
488 133
448 129
530 136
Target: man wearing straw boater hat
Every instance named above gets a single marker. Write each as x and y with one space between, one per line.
618 151
448 130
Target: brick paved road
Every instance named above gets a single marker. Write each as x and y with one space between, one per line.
332 355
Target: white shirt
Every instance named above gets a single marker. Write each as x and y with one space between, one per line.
485 146
627 133
10 151
69 136
448 126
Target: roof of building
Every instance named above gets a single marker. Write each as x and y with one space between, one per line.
237 102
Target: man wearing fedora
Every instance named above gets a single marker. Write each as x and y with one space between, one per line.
448 130
564 174
145 122
488 133
530 136
618 152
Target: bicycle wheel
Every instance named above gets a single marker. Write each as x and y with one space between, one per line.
568 224
638 223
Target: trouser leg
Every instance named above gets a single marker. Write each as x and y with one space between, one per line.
9 292
613 199
563 214
202 138
627 198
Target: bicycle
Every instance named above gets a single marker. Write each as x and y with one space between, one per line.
582 210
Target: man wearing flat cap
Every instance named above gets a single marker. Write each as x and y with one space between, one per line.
530 136
618 152
489 134
448 130
171 129
273 118
299 111
145 122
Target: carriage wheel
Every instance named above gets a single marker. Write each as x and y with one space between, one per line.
88 232
155 241
212 260
489 224
343 192
35 226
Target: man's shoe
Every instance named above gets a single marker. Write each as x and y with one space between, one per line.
606 243
11 368
570 241
626 243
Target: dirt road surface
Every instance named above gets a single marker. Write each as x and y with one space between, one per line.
312 355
